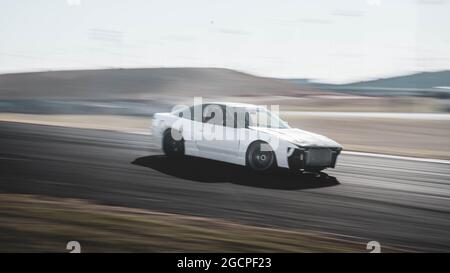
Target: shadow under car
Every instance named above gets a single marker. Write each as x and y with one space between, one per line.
211 171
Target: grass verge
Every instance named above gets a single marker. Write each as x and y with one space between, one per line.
30 223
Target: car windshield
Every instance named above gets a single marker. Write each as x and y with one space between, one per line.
260 117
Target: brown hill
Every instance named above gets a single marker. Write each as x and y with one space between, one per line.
137 84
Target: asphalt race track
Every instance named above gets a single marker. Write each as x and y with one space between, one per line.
393 201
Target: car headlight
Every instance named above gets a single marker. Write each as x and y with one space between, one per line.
290 151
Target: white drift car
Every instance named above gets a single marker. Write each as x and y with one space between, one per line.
243 134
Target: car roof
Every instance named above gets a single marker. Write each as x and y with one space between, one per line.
234 104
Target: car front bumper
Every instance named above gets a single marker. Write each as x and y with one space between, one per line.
313 158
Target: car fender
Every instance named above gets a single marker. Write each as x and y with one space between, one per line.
279 146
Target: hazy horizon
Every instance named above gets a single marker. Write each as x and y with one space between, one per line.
239 71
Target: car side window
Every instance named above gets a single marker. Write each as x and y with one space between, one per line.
234 117
194 113
240 118
184 113
230 117
213 114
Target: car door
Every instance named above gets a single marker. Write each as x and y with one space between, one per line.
189 123
216 142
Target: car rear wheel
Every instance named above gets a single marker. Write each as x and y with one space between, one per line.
260 157
173 143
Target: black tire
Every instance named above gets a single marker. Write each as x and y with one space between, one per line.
260 157
173 143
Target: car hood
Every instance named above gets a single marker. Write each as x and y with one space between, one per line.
299 137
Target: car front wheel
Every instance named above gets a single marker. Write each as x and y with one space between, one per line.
260 157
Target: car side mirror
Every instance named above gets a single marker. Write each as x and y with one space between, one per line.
211 116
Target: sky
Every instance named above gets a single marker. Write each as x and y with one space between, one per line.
328 41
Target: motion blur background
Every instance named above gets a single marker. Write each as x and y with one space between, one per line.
371 74
134 58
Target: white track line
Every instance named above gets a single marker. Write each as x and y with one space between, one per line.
411 116
429 160
140 132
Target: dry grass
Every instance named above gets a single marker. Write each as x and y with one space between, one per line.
42 224
102 122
